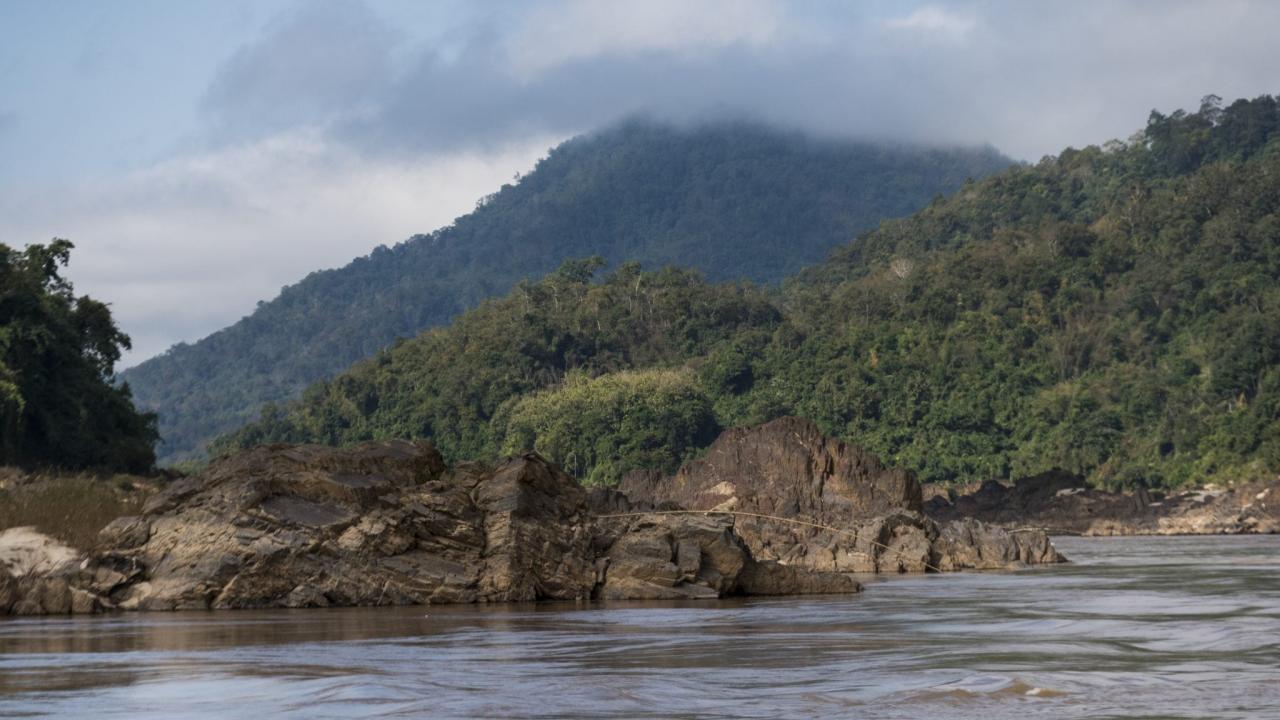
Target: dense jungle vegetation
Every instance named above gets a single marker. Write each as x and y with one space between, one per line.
1114 311
735 200
58 406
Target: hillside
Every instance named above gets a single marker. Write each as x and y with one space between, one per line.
1111 311
733 200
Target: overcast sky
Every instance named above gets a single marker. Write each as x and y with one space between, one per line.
203 154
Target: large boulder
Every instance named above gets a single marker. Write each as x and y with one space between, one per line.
972 544
27 551
40 575
664 557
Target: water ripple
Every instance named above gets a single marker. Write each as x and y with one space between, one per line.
1137 627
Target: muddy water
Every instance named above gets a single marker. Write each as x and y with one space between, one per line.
1135 627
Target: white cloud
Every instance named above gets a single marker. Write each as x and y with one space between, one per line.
936 21
188 246
554 34
334 130
326 59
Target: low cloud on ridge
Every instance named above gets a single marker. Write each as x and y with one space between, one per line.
342 125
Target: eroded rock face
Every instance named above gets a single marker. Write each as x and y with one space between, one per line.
785 467
810 502
663 557
387 523
382 523
41 576
971 544
1064 504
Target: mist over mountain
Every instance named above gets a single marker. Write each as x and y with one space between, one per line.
734 200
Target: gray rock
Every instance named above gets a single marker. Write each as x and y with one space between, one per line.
806 501
125 533
386 523
1064 504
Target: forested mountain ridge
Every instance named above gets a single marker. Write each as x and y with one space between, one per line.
1111 311
536 344
734 200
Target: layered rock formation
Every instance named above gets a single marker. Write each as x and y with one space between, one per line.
808 501
1064 505
39 576
387 523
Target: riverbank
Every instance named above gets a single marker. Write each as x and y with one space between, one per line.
1062 504
69 506
1132 627
388 523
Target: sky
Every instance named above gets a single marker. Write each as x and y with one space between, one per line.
203 154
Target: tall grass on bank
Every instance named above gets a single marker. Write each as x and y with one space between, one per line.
72 508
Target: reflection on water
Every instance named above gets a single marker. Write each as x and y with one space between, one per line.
1136 627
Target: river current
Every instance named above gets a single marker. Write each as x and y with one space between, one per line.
1132 628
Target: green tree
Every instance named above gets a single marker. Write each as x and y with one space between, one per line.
601 428
58 406
1111 311
734 200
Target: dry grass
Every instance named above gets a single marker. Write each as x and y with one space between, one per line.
72 508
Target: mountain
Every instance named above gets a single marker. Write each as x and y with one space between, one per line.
735 200
1111 311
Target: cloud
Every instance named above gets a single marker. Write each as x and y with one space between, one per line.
553 34
324 60
934 20
183 248
1028 79
341 125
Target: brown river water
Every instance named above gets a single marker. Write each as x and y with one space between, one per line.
1133 628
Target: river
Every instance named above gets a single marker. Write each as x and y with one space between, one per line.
1132 628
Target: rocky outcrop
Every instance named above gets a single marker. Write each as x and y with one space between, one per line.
388 523
382 523
662 557
772 510
1064 504
41 576
807 501
785 467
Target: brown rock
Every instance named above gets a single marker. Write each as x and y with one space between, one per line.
38 595
1064 504
806 501
386 523
935 493
8 591
972 544
785 467
536 540
377 524
770 578
690 556
125 533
